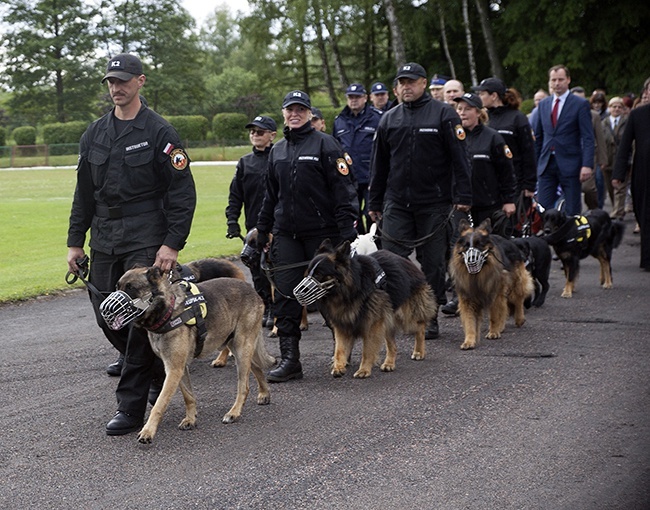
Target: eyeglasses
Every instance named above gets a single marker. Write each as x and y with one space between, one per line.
258 132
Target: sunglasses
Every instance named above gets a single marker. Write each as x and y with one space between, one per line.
258 132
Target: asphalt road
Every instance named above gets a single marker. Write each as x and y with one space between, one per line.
551 416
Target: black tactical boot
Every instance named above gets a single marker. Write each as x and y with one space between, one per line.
289 367
432 330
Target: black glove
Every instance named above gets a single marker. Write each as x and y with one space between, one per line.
262 240
233 230
349 235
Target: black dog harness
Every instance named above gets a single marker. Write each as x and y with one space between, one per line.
195 309
582 232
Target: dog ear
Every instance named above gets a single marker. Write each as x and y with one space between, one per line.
325 247
463 226
154 273
343 251
486 225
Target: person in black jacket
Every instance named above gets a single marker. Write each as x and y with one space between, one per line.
419 173
247 191
309 197
493 177
355 128
136 195
504 116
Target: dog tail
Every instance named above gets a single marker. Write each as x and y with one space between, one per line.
261 356
616 233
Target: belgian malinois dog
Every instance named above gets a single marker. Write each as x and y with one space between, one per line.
233 320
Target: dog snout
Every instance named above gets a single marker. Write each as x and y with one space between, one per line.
248 255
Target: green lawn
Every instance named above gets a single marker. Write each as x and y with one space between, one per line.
35 208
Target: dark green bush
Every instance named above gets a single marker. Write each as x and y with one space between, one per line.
63 138
24 135
190 127
229 128
3 136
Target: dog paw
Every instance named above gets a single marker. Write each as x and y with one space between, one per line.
520 323
186 424
607 286
229 418
218 363
387 367
263 400
417 356
338 372
467 345
492 335
145 437
566 294
362 373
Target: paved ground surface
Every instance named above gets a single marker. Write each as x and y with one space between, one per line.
551 416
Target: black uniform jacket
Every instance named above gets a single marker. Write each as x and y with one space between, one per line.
128 193
419 156
493 178
309 192
515 129
248 186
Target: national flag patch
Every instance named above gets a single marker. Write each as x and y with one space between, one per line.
168 149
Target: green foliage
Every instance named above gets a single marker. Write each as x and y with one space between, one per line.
24 135
190 127
229 127
3 136
329 114
68 132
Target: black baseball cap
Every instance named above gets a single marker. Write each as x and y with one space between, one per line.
123 67
470 99
411 70
491 85
317 114
296 97
263 122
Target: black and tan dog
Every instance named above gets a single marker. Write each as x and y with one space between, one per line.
575 237
206 269
373 297
233 320
489 274
537 256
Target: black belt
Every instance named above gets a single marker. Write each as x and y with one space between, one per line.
119 211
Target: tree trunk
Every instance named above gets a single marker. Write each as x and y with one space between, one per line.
495 63
327 75
445 43
470 47
399 54
336 55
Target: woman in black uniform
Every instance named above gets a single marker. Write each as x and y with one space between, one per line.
309 197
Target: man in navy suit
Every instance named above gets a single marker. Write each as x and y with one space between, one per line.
564 142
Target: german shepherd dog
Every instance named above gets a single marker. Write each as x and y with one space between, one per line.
251 257
489 274
233 320
537 254
575 237
207 269
372 297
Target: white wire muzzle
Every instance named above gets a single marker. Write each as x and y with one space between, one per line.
119 309
310 290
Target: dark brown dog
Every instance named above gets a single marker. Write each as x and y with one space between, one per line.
233 320
576 237
493 281
371 297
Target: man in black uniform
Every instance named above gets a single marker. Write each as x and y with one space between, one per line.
136 194
247 189
419 171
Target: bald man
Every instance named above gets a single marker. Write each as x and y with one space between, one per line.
451 90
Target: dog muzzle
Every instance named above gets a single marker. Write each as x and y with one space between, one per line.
249 255
310 290
474 259
118 309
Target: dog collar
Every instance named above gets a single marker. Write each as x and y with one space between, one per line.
165 318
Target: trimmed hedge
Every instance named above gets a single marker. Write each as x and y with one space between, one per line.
190 127
63 138
229 127
24 135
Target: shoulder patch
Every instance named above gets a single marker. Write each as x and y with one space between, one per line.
507 152
179 159
460 132
342 166
348 158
